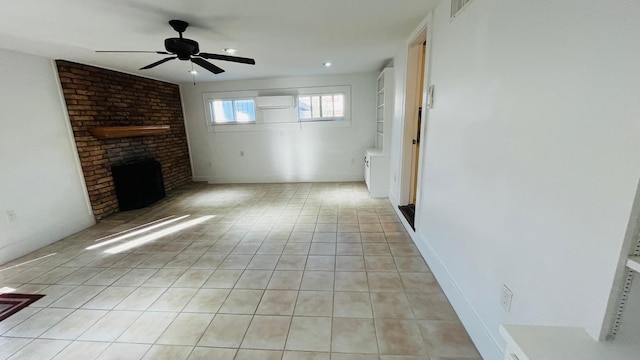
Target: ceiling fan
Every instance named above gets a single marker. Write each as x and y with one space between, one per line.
187 49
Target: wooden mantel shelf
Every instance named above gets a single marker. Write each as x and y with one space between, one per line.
110 132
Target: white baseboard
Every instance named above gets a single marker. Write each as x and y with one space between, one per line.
487 345
33 242
280 179
200 178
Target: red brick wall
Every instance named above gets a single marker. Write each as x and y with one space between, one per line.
98 97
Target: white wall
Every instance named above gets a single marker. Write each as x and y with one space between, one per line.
39 175
531 159
289 152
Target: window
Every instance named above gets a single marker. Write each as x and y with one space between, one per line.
232 111
266 109
321 107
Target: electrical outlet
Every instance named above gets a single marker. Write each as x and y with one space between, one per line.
505 298
11 216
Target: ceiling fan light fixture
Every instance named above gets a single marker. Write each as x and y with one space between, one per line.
327 64
193 72
230 50
186 49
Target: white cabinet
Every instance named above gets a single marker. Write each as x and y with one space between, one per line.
376 172
376 160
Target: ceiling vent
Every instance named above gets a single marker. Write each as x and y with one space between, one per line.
457 6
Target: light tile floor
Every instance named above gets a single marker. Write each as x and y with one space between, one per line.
279 271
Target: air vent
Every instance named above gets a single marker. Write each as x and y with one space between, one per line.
457 6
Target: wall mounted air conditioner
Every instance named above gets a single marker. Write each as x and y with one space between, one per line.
274 102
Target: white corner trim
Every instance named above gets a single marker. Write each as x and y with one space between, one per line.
187 132
487 345
72 142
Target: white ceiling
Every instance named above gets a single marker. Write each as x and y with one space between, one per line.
285 37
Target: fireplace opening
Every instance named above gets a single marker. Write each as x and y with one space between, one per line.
138 184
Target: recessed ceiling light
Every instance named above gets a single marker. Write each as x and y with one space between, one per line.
193 72
327 64
230 50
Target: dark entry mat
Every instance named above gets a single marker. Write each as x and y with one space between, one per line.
11 303
409 212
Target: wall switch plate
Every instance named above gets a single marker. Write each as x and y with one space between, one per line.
11 216
505 298
430 91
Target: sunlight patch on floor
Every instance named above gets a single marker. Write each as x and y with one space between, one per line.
158 234
133 232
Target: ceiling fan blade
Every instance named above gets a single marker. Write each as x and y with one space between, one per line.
158 62
207 65
228 58
128 51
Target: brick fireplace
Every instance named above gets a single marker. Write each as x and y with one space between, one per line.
100 98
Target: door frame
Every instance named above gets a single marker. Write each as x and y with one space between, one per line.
413 101
416 124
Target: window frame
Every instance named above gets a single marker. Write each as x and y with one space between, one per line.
209 100
290 115
321 95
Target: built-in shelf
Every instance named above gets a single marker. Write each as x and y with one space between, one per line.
110 132
377 160
633 263
384 110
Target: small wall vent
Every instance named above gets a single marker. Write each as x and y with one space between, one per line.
457 6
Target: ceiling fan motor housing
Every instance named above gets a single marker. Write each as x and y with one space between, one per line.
182 47
189 50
